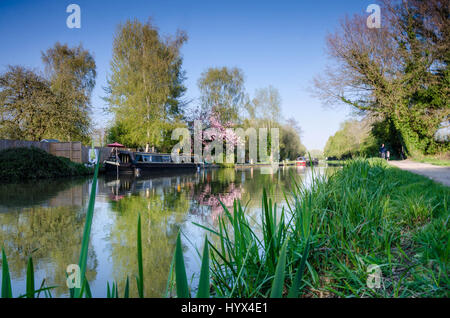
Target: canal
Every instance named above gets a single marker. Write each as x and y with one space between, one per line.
45 219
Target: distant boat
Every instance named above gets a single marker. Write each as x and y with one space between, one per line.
300 162
124 161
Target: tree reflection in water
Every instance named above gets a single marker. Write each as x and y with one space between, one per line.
51 220
52 235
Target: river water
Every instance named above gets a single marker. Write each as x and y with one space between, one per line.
45 219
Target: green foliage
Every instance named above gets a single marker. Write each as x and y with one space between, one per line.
265 107
290 144
29 108
352 139
72 73
6 278
203 285
222 92
34 107
33 163
78 293
399 72
145 84
140 278
180 272
321 245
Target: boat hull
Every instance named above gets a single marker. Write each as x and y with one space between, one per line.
140 168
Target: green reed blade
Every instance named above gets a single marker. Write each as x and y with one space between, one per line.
113 292
126 293
88 289
140 279
108 291
87 232
42 286
278 281
30 278
203 285
293 292
180 271
169 285
6 279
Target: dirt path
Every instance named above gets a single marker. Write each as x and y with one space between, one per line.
436 173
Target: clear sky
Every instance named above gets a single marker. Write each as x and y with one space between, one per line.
279 43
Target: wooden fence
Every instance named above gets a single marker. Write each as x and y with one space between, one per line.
75 151
71 150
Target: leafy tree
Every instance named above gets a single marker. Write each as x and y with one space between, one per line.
353 138
222 93
146 83
28 108
71 73
290 145
265 107
316 153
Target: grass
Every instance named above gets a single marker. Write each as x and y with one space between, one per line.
335 162
20 164
435 161
323 244
442 159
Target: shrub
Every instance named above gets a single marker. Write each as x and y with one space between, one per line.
33 163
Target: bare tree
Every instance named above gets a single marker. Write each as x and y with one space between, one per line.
399 71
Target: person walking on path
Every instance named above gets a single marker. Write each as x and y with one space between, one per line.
383 151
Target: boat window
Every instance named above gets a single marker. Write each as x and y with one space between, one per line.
156 159
125 158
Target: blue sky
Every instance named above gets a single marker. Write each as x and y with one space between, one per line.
279 43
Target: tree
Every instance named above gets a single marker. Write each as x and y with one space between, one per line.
266 106
290 145
27 105
294 124
316 153
352 139
399 72
71 73
222 93
146 82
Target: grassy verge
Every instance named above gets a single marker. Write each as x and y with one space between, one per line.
366 221
368 230
434 161
335 162
18 164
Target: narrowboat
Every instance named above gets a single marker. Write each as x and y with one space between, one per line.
127 162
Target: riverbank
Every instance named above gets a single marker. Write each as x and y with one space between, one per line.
366 230
21 164
369 230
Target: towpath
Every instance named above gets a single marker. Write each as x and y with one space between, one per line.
436 173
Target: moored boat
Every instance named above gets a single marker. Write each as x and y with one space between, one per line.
123 161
